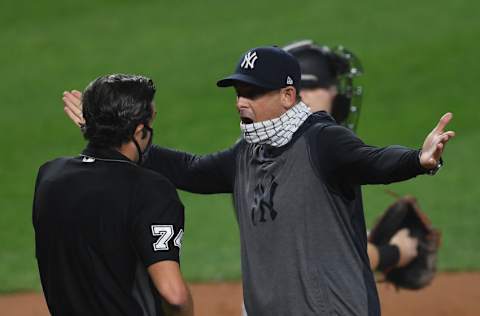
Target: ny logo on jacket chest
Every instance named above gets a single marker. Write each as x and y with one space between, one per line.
263 202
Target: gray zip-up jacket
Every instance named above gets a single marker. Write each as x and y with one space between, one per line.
300 214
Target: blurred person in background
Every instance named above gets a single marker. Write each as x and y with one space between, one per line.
107 232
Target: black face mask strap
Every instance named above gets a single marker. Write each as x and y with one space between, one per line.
148 128
140 154
149 144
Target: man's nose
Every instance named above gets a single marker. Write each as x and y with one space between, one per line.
242 102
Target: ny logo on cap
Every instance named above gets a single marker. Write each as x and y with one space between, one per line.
249 60
289 80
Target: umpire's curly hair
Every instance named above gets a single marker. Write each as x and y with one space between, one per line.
113 106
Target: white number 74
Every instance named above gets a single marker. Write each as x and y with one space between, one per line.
165 233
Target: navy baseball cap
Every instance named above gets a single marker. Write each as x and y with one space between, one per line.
269 67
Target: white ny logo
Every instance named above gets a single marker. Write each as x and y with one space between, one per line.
249 60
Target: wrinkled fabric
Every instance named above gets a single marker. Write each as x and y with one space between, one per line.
279 131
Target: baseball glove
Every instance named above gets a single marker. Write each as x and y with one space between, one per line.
405 213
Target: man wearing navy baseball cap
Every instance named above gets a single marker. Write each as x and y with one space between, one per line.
267 81
268 67
302 230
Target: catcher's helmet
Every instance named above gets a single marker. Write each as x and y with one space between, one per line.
323 67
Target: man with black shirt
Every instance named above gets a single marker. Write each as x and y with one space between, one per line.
293 176
107 232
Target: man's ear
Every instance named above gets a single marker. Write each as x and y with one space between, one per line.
140 131
289 97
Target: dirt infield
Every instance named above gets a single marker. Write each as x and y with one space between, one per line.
456 294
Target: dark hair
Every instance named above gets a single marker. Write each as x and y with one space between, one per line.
113 106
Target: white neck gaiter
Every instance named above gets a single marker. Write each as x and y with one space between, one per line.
278 131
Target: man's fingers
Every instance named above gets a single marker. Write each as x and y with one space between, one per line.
74 103
72 116
446 118
436 150
450 134
73 108
77 93
70 99
437 153
73 99
440 147
445 137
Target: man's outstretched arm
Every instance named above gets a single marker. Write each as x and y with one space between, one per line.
213 173
205 174
345 154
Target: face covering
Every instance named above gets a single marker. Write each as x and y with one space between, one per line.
143 154
278 131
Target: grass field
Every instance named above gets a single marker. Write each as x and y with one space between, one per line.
421 60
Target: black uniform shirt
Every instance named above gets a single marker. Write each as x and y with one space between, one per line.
100 221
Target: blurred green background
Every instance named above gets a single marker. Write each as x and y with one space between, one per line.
420 59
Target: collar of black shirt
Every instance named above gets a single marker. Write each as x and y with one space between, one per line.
104 153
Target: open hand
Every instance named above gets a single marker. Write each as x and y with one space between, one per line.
435 142
72 105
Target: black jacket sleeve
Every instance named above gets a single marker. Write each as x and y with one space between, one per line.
207 174
342 153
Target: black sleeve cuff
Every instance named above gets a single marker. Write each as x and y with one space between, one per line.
389 255
432 171
418 166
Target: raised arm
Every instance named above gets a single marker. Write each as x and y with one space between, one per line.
343 153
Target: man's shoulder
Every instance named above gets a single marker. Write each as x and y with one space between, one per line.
148 176
154 182
322 117
322 124
153 191
324 135
54 166
55 162
317 122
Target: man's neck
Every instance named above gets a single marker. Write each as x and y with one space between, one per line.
322 107
129 150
